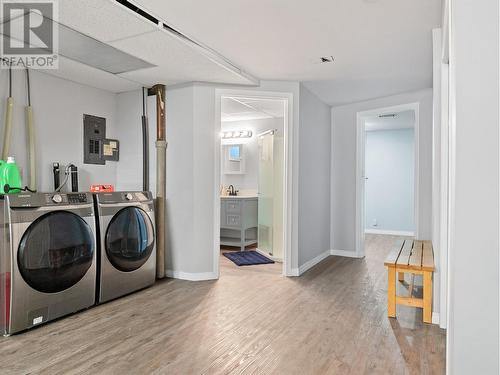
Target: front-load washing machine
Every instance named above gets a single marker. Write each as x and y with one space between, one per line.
127 251
47 258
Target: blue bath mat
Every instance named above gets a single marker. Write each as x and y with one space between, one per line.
247 258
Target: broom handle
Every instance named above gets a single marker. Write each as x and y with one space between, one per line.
31 148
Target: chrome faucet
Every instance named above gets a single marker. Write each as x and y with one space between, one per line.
231 191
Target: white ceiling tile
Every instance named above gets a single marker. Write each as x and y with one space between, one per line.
84 74
104 20
176 61
244 109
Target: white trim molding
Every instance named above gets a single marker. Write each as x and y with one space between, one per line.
277 260
435 318
360 169
294 272
346 253
290 213
311 263
390 232
201 276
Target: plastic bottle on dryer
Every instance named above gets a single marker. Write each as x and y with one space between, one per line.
10 175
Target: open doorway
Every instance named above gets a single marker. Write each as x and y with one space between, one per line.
387 174
253 188
252 156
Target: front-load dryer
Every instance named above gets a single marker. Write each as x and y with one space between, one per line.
47 258
127 251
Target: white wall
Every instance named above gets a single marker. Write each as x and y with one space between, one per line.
344 165
250 179
314 177
473 327
58 107
190 173
389 167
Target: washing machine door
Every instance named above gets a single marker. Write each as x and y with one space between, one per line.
55 252
129 239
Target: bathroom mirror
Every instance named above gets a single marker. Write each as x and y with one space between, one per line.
233 159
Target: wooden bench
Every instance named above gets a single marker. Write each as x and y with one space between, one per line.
416 258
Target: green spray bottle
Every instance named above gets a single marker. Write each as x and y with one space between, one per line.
10 175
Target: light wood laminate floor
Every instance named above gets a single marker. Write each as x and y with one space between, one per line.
332 320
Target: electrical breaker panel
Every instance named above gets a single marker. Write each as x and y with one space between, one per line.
94 133
97 148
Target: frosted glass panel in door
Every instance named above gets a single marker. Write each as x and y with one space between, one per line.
266 192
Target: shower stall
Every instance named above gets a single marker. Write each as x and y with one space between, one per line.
270 217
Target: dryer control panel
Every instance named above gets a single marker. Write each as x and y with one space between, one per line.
70 198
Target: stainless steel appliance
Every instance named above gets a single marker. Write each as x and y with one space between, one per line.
47 258
127 243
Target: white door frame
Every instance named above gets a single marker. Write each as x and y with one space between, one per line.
360 169
288 211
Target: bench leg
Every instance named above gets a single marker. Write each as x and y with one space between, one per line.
401 276
427 297
391 292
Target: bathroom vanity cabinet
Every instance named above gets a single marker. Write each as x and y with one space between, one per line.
238 221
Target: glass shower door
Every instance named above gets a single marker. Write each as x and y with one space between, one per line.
266 192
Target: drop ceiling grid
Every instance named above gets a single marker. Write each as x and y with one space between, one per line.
110 22
104 20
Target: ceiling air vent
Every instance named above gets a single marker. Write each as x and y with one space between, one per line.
388 115
326 59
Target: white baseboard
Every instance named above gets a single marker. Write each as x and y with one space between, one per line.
278 260
435 318
345 253
294 272
202 276
311 263
390 232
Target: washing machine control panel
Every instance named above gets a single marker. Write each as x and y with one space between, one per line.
124 197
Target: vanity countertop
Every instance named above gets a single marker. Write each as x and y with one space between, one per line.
238 197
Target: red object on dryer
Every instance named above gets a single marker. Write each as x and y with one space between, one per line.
102 188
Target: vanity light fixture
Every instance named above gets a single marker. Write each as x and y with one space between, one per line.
237 134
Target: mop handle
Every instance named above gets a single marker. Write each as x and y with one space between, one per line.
31 148
8 128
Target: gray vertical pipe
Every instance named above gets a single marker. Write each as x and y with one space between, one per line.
161 178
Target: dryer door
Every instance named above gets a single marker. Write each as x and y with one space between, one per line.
129 239
55 252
